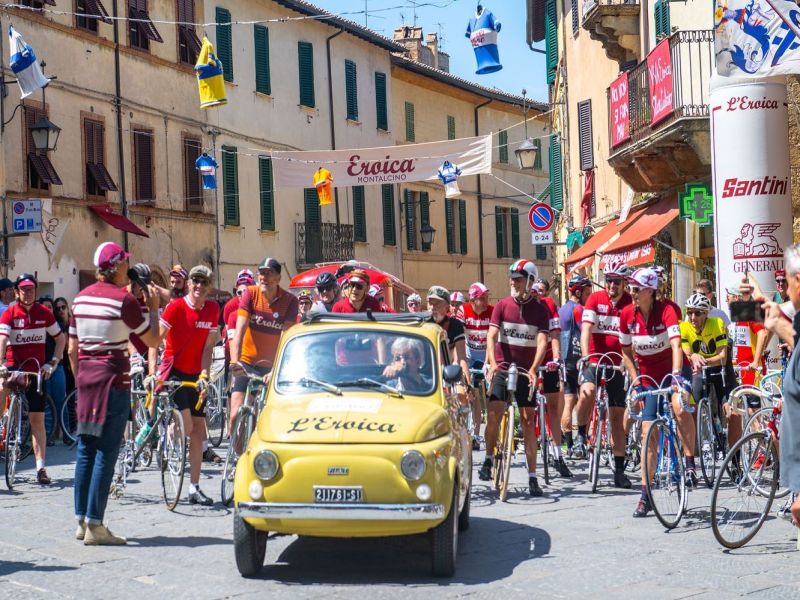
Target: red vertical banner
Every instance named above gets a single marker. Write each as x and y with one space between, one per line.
659 70
620 117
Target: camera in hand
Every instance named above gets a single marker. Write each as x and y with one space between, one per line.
749 310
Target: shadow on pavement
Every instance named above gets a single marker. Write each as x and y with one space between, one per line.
183 542
406 560
8 567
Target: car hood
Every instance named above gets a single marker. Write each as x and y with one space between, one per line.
354 419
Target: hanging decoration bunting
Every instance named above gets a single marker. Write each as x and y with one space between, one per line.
586 199
24 65
208 169
209 77
482 32
323 181
448 175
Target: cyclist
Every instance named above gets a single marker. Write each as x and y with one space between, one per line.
190 329
329 293
600 334
24 327
439 305
304 303
570 316
476 316
376 291
177 281
414 303
244 278
749 342
356 298
650 337
705 287
518 333
457 300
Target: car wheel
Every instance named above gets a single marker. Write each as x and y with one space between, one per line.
444 541
463 516
249 546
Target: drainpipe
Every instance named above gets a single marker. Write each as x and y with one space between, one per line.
330 109
118 106
480 197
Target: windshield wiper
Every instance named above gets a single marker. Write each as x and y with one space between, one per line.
308 382
366 382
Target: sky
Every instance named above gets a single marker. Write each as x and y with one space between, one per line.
448 18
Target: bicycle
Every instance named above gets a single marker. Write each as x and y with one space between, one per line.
507 442
243 427
216 407
711 440
544 433
481 391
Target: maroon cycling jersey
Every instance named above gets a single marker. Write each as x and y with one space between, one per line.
603 315
519 325
650 339
554 323
27 333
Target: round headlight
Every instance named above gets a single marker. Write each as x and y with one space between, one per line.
412 465
265 464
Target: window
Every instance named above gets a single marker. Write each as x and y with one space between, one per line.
411 219
267 194
507 231
380 102
188 42
141 30
261 37
191 176
389 230
576 23
541 252
410 137
225 43
417 211
551 39
502 140
88 13
37 3
359 214
305 60
98 181
556 185
451 127
585 149
313 212
661 18
230 185
144 190
537 163
455 216
41 173
351 89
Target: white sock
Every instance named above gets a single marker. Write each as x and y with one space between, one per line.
39 464
532 475
193 488
205 446
556 451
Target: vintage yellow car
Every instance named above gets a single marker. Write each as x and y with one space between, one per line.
362 435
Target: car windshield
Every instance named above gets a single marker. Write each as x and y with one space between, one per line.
386 361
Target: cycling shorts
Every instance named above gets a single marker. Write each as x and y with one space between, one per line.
499 391
551 382
615 386
571 379
477 378
185 398
240 381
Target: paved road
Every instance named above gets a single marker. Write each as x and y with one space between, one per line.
569 544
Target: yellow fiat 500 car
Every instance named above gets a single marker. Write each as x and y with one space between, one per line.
362 435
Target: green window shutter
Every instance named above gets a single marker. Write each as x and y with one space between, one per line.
424 216
313 214
380 102
541 252
551 39
515 232
230 185
556 187
499 231
225 42
462 224
351 89
537 164
267 194
451 127
359 214
261 37
305 60
410 137
411 221
662 20
449 226
387 196
503 143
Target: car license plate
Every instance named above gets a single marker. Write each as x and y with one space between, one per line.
325 494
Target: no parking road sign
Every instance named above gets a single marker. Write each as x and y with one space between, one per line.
541 217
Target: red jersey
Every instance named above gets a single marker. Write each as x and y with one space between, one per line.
476 328
344 306
651 339
744 347
188 329
676 307
554 322
519 326
27 333
603 315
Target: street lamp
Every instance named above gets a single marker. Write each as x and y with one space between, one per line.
45 134
527 151
427 233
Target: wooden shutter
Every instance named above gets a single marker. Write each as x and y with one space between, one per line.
424 216
267 193
502 137
515 232
387 197
411 220
451 127
585 148
188 42
95 153
380 102
576 21
261 38
305 59
410 137
556 186
462 224
351 89
551 39
313 214
230 185
143 165
359 214
449 225
38 159
225 42
138 10
541 252
662 20
96 8
191 176
499 231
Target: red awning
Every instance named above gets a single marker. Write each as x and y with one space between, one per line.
594 243
635 246
115 220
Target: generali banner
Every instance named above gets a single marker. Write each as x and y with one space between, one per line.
391 164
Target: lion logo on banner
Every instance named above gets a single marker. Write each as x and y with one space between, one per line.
757 241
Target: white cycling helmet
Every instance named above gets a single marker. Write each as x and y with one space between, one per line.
523 268
698 302
616 268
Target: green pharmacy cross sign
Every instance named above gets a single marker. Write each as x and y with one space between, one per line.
697 204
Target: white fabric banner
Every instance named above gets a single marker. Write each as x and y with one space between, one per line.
757 38
391 164
53 230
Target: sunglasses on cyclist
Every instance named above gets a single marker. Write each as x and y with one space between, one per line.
200 281
327 288
780 280
614 280
635 289
357 286
694 313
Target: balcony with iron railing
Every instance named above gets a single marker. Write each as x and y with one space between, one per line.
615 24
322 242
654 156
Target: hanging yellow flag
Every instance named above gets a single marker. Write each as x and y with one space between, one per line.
323 181
209 77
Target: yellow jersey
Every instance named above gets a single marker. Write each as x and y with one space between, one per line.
707 342
323 181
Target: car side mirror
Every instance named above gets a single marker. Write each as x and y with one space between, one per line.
451 374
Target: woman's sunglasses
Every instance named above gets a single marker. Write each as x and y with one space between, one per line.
357 286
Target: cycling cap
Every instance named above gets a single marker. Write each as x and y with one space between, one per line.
144 276
179 271
108 254
414 299
615 268
201 271
661 272
439 293
358 275
325 279
457 297
304 295
375 290
780 273
645 278
523 268
270 263
698 302
26 280
245 277
578 282
478 290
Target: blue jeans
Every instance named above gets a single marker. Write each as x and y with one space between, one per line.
94 466
57 389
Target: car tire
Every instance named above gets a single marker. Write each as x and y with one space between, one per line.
444 541
463 516
249 547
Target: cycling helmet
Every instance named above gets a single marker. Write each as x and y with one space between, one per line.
478 290
616 268
457 297
26 280
325 280
304 295
144 276
414 299
698 302
523 268
661 272
578 282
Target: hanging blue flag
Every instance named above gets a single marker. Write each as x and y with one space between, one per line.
482 33
23 62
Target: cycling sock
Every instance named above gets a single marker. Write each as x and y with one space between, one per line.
205 446
582 431
567 437
690 462
619 463
39 464
193 488
556 451
644 493
533 475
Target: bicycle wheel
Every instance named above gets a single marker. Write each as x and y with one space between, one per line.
173 458
25 447
594 440
758 420
543 445
738 509
633 454
51 418
124 464
508 453
667 486
13 431
706 442
215 416
69 416
242 427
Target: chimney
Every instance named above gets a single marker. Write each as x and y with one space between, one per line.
441 60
